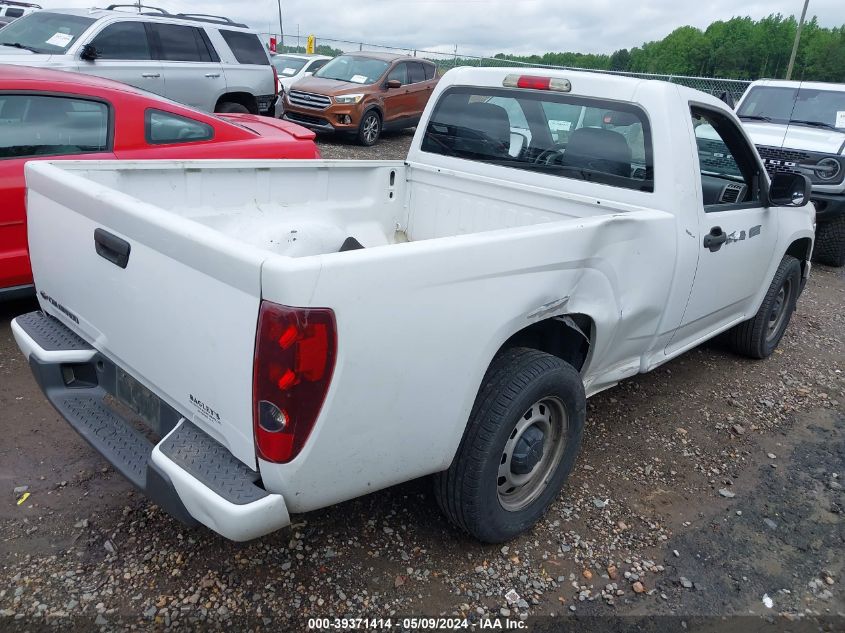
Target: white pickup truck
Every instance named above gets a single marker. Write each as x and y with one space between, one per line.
293 334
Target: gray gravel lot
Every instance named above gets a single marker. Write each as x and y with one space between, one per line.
707 487
391 146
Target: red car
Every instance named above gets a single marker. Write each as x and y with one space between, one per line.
47 114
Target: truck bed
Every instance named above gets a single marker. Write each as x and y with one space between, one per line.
306 208
207 241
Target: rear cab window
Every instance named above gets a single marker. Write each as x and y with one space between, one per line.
246 47
40 125
551 133
166 128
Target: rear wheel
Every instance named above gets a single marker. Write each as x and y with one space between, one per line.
370 128
830 242
759 336
230 107
519 446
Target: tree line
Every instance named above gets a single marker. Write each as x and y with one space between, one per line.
739 48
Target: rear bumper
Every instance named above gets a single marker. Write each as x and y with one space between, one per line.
188 473
16 292
828 206
270 105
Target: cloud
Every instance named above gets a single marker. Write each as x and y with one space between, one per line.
486 27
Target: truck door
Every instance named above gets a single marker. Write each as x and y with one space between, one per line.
397 101
737 232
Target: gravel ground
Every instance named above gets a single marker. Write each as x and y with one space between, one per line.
391 146
712 486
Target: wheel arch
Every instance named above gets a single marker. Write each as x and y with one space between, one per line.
244 98
569 337
373 106
801 249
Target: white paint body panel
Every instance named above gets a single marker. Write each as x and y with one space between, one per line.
458 257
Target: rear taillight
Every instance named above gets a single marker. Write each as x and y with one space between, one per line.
294 360
276 79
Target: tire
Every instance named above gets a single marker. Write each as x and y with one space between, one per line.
830 242
518 384
759 336
230 107
369 129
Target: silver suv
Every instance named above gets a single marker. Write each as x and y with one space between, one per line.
204 61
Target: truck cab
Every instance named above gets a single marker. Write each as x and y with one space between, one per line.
799 127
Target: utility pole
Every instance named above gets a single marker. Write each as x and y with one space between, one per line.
797 39
281 27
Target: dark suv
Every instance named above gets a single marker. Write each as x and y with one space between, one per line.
363 94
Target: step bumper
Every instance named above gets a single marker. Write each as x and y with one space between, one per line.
187 473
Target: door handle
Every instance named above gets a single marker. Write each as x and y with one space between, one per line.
150 75
112 248
213 75
715 239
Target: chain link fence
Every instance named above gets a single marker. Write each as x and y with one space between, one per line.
447 59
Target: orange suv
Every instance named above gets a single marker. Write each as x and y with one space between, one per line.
362 93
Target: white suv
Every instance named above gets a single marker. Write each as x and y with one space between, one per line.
204 61
12 10
291 67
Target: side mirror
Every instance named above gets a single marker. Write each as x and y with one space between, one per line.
393 83
89 53
728 98
789 190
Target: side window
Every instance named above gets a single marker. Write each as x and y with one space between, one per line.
35 125
181 43
400 73
246 47
162 128
317 65
430 71
123 40
11 12
416 74
729 172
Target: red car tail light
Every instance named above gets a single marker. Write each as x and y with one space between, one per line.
294 360
276 81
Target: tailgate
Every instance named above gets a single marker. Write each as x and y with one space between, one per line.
180 317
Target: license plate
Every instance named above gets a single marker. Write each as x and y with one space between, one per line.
140 399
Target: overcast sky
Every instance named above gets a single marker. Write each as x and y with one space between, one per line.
486 27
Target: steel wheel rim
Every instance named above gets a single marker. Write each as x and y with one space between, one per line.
370 128
777 315
516 491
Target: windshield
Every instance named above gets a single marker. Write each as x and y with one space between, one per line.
288 66
358 70
807 106
45 32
